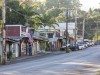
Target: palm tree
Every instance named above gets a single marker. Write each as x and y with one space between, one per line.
46 20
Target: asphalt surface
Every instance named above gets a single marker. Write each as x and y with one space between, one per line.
83 62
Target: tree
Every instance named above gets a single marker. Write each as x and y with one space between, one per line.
61 18
0 11
54 12
49 13
46 20
14 10
51 3
21 10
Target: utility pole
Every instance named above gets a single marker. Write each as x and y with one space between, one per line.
67 17
97 31
75 25
4 54
65 12
83 28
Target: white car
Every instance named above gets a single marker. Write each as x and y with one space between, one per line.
85 44
65 46
81 46
91 43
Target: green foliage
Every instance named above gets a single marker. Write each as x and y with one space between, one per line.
51 3
61 3
42 46
50 13
13 17
68 50
19 14
0 26
0 3
95 37
46 19
60 18
54 12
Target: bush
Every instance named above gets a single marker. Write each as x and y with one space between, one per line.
42 46
64 49
68 50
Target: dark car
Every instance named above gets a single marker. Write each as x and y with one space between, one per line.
74 47
63 48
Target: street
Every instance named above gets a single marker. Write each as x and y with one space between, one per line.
83 62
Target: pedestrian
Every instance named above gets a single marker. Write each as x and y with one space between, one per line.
30 50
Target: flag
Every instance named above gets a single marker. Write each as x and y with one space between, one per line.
30 38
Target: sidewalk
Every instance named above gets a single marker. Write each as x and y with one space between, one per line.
34 57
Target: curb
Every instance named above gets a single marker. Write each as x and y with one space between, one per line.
37 56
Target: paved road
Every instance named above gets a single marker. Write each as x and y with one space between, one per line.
84 62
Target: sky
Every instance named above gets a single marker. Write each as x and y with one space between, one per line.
86 4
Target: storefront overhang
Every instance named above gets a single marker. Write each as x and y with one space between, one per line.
11 40
40 38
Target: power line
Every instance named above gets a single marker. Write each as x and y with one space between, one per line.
27 18
16 11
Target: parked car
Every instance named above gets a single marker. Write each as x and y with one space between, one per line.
74 47
91 43
84 43
63 48
81 46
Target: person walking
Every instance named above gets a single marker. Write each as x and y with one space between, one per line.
30 50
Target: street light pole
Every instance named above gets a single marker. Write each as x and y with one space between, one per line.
4 54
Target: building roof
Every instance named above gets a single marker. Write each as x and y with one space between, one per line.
61 27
